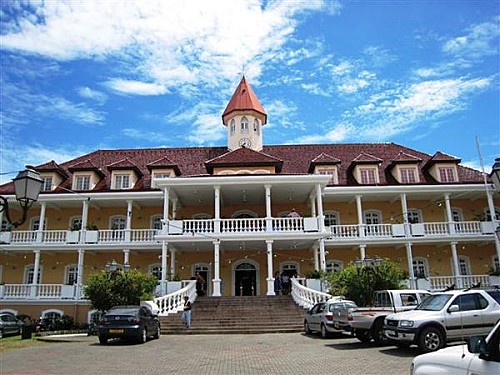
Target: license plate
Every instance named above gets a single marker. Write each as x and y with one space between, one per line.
116 331
390 333
336 326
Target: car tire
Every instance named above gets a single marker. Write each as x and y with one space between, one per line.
377 332
103 340
307 329
157 333
430 340
1 334
143 336
363 335
324 333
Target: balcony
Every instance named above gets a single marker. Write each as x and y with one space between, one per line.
248 226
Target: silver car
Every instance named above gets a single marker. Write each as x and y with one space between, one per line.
327 317
9 325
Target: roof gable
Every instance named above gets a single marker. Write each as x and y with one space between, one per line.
164 162
51 166
244 99
85 165
243 157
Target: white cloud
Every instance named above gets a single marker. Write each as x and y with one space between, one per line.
337 134
136 87
88 93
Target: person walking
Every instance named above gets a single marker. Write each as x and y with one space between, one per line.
186 313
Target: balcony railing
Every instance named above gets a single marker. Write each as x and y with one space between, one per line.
249 226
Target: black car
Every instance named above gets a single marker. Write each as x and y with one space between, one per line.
128 322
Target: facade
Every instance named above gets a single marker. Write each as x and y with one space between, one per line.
241 213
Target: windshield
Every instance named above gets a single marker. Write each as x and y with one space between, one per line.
434 303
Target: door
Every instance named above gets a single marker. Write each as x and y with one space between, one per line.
467 321
245 280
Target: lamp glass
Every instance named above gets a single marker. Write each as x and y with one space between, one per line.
27 185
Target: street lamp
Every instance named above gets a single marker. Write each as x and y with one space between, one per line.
368 262
111 267
495 174
27 186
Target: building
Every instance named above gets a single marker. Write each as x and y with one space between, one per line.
225 212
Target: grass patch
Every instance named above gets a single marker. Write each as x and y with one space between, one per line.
15 342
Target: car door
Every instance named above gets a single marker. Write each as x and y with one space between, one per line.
316 314
468 320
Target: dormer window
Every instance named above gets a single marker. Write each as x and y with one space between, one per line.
368 175
121 181
47 183
328 171
446 174
244 125
408 175
82 182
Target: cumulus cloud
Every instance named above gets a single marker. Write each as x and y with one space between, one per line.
88 93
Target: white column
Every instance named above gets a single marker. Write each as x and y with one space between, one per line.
313 206
362 252
322 256
85 219
449 216
163 281
175 206
404 208
126 256
456 268
39 234
270 272
217 209
409 256
36 268
316 256
269 212
216 280
321 216
166 193
79 276
359 210
172 263
128 223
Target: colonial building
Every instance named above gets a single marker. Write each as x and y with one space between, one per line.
225 212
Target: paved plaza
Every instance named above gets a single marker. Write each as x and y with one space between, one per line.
210 354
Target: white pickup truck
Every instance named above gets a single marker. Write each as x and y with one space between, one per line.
367 323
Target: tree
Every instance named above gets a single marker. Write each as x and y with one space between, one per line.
108 289
359 284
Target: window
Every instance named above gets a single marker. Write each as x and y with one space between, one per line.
244 125
4 225
334 266
420 268
122 181
414 216
29 272
71 275
367 176
232 126
156 222
82 182
256 127
456 215
47 183
155 270
408 175
468 302
497 214
446 174
35 224
331 218
464 265
75 223
118 222
372 217
328 172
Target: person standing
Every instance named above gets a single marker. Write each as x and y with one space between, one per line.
285 279
200 285
278 286
186 313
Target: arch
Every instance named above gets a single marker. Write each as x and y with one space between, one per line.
290 268
241 214
202 216
75 223
117 222
247 273
232 126
9 311
256 126
244 125
51 314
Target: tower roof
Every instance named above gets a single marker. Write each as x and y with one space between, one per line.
244 99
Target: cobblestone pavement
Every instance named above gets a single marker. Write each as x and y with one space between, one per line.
210 354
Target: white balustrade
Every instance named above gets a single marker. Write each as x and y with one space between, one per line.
378 230
54 236
468 227
304 296
464 281
243 225
112 235
435 229
23 236
288 224
173 303
344 231
49 291
143 235
18 291
198 226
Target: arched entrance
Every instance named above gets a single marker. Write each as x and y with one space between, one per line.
245 278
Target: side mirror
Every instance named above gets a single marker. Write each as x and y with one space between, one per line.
453 308
477 345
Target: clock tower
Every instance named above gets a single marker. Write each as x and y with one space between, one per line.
244 118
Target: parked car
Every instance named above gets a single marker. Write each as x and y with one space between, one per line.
444 317
481 356
9 325
328 317
128 322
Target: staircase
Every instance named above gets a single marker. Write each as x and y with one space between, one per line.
238 315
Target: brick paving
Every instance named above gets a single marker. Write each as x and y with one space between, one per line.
290 353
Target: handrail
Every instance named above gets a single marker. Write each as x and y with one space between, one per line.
173 303
304 296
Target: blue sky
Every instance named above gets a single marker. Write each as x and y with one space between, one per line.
81 76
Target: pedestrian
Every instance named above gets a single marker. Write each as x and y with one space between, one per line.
200 285
186 313
278 285
285 279
293 213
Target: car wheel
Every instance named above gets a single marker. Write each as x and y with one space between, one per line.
363 335
307 329
143 336
430 340
157 333
378 332
103 340
324 332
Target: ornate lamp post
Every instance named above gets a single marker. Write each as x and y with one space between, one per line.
495 177
27 186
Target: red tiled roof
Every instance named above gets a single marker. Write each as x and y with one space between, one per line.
124 164
85 165
366 158
243 157
404 157
244 99
440 157
164 162
51 166
322 159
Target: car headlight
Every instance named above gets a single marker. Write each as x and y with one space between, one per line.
406 323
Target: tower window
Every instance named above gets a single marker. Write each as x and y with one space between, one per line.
232 126
244 125
256 127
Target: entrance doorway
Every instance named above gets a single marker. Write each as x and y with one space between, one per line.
245 279
203 270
